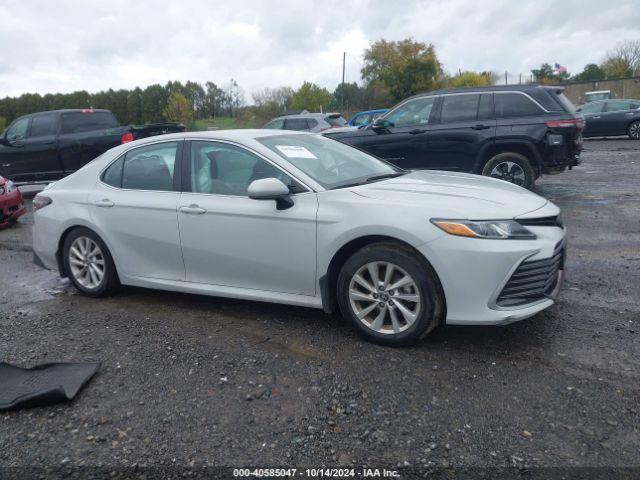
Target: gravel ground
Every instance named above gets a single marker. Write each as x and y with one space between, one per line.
190 381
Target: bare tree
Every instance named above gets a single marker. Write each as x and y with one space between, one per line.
623 60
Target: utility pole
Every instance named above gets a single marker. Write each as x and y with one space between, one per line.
506 81
344 58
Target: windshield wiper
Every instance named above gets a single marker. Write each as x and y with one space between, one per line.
385 175
370 179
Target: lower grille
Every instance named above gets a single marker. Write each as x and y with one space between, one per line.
533 280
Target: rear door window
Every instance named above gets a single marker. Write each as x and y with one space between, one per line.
508 104
44 125
485 108
617 106
150 167
298 124
459 108
87 121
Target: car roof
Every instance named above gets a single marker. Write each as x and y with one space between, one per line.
307 115
235 135
489 88
372 111
72 110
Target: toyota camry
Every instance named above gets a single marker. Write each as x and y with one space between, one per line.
300 219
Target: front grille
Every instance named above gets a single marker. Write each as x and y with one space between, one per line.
533 280
541 222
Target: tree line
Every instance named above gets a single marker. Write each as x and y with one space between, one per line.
391 71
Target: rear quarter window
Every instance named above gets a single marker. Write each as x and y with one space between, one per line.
509 105
76 122
335 121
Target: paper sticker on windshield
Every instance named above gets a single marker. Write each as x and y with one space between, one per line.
293 151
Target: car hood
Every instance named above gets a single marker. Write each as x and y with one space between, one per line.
455 195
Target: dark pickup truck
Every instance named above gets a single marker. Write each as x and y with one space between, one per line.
46 146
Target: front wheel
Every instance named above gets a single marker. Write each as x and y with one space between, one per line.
390 295
511 167
88 264
634 130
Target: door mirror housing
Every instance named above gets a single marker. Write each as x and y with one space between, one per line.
381 125
271 189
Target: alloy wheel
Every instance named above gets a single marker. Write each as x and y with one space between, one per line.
509 171
86 262
634 130
384 297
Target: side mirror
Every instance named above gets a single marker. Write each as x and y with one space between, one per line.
271 189
381 125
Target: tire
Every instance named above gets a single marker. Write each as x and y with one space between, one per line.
634 130
511 167
396 327
83 270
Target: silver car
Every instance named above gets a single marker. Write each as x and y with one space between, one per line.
309 122
301 219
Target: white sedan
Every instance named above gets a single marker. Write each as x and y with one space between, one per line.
300 219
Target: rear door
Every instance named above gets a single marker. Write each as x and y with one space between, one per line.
464 125
134 207
85 135
404 141
616 116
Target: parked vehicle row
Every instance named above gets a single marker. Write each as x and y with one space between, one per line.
302 219
514 133
46 146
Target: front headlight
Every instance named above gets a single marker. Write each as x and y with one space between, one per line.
495 229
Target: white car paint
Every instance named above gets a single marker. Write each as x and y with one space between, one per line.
248 249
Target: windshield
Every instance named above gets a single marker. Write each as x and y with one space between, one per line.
330 163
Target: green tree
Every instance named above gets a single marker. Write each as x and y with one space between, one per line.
548 76
154 100
311 97
349 96
3 124
471 79
591 71
178 109
405 67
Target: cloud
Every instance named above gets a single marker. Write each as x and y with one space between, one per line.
67 45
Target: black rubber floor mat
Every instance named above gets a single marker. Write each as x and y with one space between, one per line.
42 385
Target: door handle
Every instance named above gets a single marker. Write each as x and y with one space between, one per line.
417 131
193 209
596 116
481 126
104 203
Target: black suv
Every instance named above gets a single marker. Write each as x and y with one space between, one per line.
515 133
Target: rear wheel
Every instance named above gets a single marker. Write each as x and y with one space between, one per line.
634 130
511 167
390 295
88 263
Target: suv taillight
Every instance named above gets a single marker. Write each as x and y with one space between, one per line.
41 201
126 137
575 122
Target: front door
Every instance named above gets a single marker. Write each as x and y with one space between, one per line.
466 123
14 155
134 206
231 240
594 123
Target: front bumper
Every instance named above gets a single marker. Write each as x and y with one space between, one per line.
11 207
473 273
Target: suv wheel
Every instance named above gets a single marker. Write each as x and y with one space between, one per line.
390 295
634 130
512 167
88 263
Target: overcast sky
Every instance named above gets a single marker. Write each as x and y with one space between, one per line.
61 46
